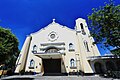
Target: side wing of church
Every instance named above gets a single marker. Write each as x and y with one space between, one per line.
58 49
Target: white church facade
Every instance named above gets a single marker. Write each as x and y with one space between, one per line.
59 49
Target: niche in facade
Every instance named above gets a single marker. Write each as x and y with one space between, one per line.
34 49
32 64
71 47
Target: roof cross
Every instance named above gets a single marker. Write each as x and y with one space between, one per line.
53 21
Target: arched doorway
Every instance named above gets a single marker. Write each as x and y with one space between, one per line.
110 65
98 67
52 65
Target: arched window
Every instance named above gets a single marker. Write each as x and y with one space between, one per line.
71 47
34 49
72 63
81 24
82 29
86 46
52 50
32 64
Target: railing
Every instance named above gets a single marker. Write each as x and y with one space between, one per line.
103 57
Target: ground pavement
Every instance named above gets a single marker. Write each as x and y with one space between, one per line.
38 77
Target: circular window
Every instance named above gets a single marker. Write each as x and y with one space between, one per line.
52 36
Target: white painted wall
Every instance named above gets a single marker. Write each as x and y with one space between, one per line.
67 36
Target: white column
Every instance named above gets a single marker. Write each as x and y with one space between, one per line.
20 63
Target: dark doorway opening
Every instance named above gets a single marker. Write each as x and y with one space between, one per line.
98 68
52 66
110 66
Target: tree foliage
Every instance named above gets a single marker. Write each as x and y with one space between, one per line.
105 25
8 47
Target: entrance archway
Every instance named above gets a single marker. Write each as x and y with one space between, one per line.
52 66
110 65
98 67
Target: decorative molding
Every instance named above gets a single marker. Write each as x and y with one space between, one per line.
31 67
71 49
73 67
78 31
34 51
46 44
59 48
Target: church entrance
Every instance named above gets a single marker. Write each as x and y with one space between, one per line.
52 66
98 68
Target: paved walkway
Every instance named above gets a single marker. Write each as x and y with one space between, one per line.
72 78
38 77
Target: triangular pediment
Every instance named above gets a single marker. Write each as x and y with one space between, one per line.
53 26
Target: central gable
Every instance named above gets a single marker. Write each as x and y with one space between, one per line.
53 27
54 36
54 32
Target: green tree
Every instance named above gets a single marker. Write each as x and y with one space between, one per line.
8 47
105 26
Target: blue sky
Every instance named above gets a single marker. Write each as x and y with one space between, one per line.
27 16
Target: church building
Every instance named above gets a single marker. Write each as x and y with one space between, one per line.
59 49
